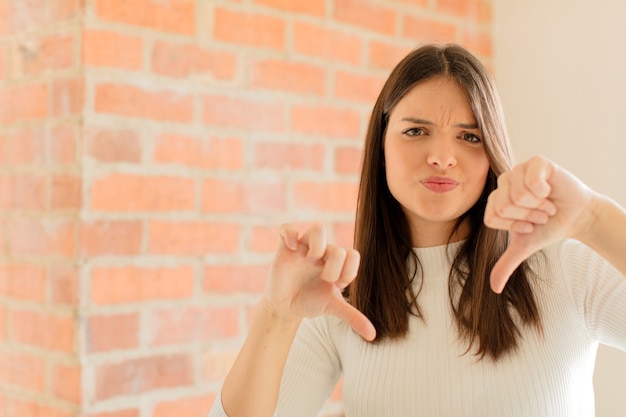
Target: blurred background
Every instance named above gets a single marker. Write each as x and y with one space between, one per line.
149 149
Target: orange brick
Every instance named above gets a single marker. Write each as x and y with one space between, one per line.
331 44
325 121
120 413
247 28
31 409
4 70
66 383
6 17
64 284
367 15
28 146
193 238
235 278
44 330
478 42
295 77
429 30
228 196
176 16
65 192
311 7
68 97
386 55
185 407
129 192
24 370
43 55
259 114
3 324
132 101
264 238
24 192
63 143
348 160
185 60
103 48
358 87
290 156
111 238
485 11
136 376
23 282
218 153
192 325
65 9
121 285
113 145
23 102
216 365
112 332
467 9
42 237
328 196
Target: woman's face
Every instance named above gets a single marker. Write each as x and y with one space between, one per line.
435 159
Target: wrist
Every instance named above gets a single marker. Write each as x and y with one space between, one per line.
587 225
275 314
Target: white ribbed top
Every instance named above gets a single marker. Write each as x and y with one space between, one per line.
581 301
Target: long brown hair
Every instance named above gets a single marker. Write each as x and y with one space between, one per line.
384 289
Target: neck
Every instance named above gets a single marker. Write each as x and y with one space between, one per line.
437 234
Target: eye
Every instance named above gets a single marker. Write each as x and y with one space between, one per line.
414 131
470 137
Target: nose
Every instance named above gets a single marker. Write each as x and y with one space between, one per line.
441 154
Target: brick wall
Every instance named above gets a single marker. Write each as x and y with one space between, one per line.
149 149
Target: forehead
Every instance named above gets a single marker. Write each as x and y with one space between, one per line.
436 98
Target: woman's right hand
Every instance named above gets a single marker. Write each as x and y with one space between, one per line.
307 277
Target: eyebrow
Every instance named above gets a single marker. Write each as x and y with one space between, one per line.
428 122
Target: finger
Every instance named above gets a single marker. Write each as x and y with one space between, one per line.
350 269
288 236
315 240
519 194
538 171
334 260
512 257
341 309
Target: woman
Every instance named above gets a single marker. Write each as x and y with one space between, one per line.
441 214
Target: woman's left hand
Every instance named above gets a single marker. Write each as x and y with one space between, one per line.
538 202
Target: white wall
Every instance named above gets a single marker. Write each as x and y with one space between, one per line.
560 66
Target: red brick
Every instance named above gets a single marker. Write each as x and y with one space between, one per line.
478 42
193 238
113 145
429 30
44 330
63 144
65 192
264 238
6 17
65 9
103 48
289 76
132 101
185 60
3 325
193 325
23 282
358 87
235 278
325 121
64 284
131 193
185 407
249 196
331 44
259 114
114 237
42 237
218 153
122 285
136 376
24 370
325 196
24 192
31 409
311 7
466 9
216 365
289 156
112 332
367 15
348 160
66 383
247 28
386 55
4 70
43 55
68 97
176 16
23 102
28 146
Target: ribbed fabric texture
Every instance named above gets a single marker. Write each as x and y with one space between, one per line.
581 300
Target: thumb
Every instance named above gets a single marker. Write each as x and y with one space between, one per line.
513 256
343 310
